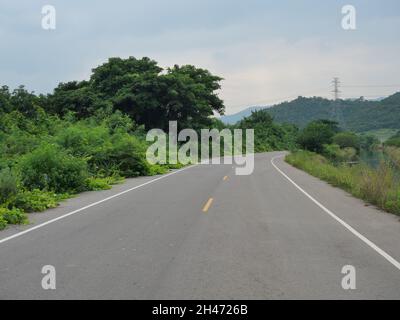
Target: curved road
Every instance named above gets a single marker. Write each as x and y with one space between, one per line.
205 233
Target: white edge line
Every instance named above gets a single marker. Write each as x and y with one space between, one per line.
91 205
343 223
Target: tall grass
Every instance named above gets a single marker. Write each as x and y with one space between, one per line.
379 186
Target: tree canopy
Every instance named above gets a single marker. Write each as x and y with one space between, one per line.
150 95
353 115
316 134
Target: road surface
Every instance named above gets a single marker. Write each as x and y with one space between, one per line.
203 232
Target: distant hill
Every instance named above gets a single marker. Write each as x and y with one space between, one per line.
356 115
233 118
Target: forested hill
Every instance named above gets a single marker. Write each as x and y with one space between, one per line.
355 115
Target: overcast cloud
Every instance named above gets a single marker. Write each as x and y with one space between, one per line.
265 50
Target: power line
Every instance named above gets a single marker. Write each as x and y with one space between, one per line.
265 103
373 86
336 91
365 96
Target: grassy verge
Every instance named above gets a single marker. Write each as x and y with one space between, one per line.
20 201
27 201
379 186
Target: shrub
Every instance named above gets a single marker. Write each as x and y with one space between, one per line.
13 216
108 154
335 153
158 169
8 186
119 122
393 155
102 183
394 141
36 200
346 140
268 136
3 222
95 184
124 154
377 186
368 142
48 168
82 140
316 134
128 153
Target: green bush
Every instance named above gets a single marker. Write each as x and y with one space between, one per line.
337 154
36 200
8 186
393 142
107 153
95 184
368 142
393 155
119 122
102 183
3 222
317 134
347 140
124 154
51 169
82 140
268 136
128 154
376 186
13 216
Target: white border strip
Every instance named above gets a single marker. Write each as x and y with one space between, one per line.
91 205
343 223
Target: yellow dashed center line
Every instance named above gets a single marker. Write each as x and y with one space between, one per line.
208 205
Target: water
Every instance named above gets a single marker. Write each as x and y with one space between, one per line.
372 158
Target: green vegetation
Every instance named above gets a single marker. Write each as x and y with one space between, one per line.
394 141
381 134
38 200
353 115
346 140
89 135
326 138
269 136
334 156
13 216
317 134
379 186
96 184
141 89
45 158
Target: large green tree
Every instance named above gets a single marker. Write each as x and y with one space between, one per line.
150 95
316 134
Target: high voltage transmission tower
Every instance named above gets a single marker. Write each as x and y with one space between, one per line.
336 110
336 85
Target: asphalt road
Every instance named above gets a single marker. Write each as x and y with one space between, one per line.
205 233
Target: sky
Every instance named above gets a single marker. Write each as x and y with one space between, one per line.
266 51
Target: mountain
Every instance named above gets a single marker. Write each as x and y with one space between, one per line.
233 118
356 115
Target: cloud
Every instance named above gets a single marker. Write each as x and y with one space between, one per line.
265 50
